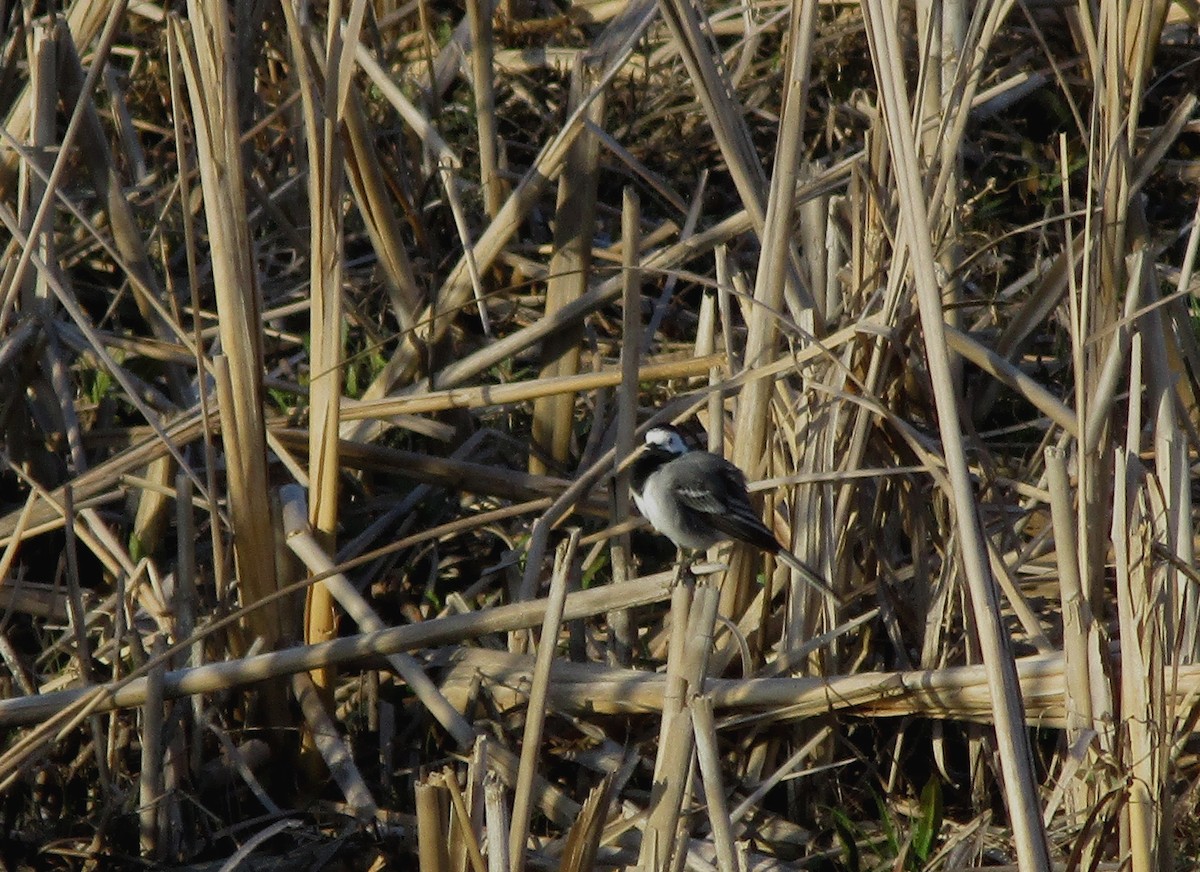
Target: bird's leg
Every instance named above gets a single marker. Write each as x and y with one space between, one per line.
683 565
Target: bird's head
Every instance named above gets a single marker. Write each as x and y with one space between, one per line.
666 438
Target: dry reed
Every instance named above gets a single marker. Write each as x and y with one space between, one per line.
365 303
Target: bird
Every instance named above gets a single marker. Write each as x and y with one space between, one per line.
697 499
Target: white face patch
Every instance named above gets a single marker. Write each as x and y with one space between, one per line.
666 439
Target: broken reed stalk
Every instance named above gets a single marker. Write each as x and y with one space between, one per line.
498 827
432 824
582 842
653 852
536 711
464 840
1141 684
84 19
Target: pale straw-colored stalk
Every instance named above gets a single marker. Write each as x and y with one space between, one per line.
308 548
463 838
368 183
528 389
150 776
1139 596
379 643
622 632
553 423
207 62
753 418
479 18
535 714
320 79
334 748
664 837
496 815
582 842
1086 688
84 19
1015 755
432 819
709 760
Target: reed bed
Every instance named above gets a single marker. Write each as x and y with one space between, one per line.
328 332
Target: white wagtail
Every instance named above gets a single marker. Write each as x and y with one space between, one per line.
697 499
